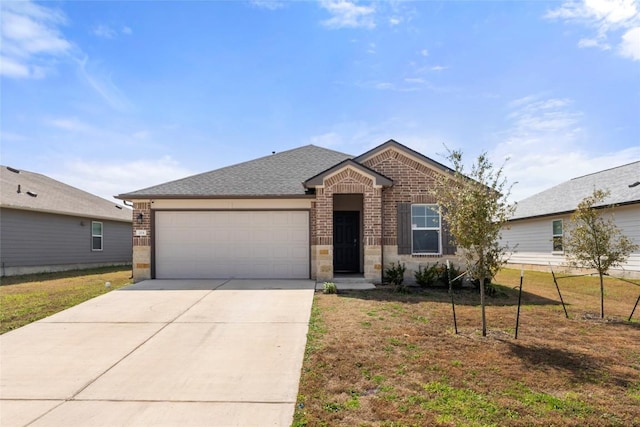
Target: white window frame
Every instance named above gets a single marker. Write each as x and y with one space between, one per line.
414 227
101 236
554 235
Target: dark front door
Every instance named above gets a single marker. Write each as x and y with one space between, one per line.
346 242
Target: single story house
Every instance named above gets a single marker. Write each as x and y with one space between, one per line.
540 222
309 212
47 226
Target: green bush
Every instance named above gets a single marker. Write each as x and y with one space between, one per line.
329 288
452 273
395 275
428 276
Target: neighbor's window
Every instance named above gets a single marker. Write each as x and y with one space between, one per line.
557 236
425 229
96 236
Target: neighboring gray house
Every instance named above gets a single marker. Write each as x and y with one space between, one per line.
46 226
540 222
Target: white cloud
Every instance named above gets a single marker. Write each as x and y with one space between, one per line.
594 43
107 32
394 20
109 179
12 68
424 52
438 68
630 46
30 37
608 19
268 4
71 124
407 84
103 84
347 14
104 31
329 140
544 141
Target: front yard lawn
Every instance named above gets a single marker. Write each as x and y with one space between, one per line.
25 299
380 358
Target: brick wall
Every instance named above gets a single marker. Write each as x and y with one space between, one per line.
143 208
412 182
142 244
348 181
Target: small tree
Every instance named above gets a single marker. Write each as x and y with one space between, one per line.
475 208
594 241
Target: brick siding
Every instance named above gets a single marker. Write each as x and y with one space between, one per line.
143 208
412 183
348 181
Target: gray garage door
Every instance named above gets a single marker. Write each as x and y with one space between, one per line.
232 244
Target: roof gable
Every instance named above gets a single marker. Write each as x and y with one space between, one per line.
26 190
392 144
564 198
280 174
377 178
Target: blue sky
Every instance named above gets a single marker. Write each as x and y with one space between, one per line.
115 96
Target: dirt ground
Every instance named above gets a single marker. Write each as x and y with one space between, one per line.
382 358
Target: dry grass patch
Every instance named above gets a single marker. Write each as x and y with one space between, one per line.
25 299
381 358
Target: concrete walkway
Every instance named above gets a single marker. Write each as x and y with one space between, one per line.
162 353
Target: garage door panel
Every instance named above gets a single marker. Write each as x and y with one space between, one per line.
257 244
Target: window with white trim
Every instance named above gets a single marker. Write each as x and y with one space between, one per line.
557 236
96 236
425 229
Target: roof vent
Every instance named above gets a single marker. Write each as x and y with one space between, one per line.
19 189
13 170
635 184
119 207
32 194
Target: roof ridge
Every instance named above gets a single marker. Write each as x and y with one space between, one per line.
604 170
47 177
237 165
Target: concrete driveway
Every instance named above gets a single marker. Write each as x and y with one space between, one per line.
162 353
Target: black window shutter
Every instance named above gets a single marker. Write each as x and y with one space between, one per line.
404 228
448 247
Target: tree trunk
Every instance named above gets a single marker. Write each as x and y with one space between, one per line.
601 296
484 318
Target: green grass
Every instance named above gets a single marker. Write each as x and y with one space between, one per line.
25 299
384 358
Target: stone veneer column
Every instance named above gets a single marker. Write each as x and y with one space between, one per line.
142 244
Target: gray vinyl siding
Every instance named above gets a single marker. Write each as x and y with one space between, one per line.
533 238
41 239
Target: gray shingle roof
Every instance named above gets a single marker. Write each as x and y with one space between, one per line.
41 193
566 196
280 174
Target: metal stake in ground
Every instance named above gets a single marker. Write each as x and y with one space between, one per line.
519 300
559 294
637 301
634 308
453 305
